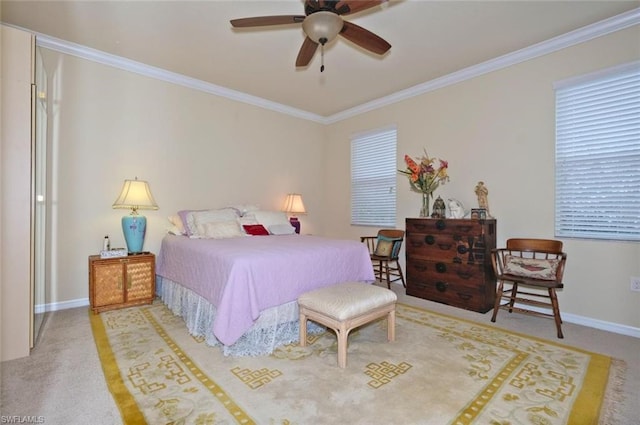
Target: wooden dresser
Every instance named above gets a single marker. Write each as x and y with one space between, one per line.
449 261
121 282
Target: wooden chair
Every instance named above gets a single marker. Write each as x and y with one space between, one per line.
536 264
384 250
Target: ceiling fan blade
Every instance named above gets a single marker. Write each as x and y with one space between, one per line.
364 38
306 52
346 7
261 21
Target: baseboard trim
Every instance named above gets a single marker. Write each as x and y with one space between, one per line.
566 317
62 305
589 322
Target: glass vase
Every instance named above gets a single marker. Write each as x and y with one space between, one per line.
424 211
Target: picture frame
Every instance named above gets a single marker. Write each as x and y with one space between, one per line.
479 213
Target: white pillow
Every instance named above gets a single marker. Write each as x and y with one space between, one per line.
269 218
221 230
282 229
200 218
177 227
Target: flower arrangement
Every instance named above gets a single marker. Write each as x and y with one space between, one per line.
425 176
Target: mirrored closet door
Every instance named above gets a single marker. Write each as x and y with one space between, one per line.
39 197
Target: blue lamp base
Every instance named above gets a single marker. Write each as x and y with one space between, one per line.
134 228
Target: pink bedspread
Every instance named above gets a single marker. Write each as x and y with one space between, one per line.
243 276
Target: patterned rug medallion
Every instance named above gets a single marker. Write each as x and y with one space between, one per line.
440 370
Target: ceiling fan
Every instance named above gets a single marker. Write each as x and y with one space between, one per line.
322 23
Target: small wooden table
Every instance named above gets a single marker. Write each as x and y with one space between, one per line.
121 282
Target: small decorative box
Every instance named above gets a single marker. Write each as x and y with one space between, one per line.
114 253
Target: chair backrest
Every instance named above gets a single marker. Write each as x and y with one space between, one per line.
536 249
391 233
540 245
397 236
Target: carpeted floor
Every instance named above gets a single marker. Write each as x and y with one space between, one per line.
62 381
440 370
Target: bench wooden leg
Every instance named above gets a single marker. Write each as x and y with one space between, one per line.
343 335
303 330
391 326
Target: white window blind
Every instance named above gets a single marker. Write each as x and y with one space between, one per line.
598 155
373 178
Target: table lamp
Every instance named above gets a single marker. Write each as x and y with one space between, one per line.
137 196
293 205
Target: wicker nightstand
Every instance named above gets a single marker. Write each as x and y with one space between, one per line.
121 282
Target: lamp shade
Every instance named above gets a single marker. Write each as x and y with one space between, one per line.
135 195
293 204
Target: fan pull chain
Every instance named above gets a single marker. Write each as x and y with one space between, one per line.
322 41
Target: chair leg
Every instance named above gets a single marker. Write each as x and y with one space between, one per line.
386 268
556 311
496 305
401 275
514 293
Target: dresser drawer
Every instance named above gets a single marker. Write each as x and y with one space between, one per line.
452 294
441 226
461 274
446 247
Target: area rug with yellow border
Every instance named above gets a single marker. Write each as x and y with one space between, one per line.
440 370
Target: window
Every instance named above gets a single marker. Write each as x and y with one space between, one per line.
373 178
598 155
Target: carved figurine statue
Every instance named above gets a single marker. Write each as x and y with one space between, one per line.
482 192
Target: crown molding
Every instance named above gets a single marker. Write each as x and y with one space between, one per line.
125 64
598 29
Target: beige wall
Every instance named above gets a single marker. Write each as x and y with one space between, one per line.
195 150
499 128
15 187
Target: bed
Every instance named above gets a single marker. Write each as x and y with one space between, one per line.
241 292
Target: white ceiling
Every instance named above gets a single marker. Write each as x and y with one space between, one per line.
430 39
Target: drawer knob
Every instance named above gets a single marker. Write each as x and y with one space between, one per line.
462 249
441 267
441 225
441 286
429 239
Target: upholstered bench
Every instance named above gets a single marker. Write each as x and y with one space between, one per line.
346 306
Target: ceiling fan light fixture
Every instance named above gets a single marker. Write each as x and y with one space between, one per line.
322 26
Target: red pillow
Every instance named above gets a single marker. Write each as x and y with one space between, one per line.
255 229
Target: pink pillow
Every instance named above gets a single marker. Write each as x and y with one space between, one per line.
255 229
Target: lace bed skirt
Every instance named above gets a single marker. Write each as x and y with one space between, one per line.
275 326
